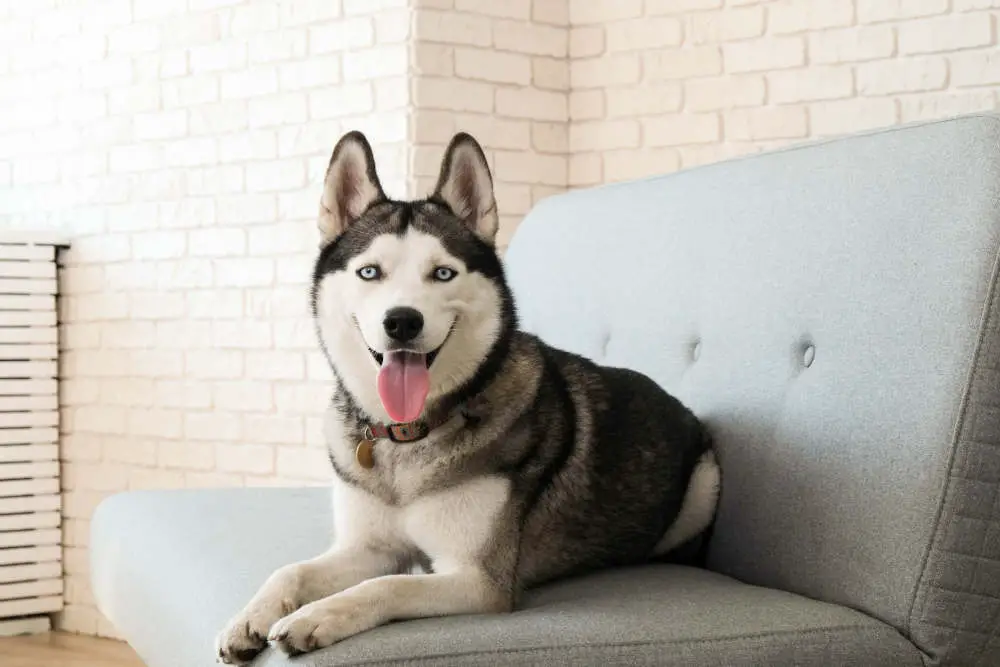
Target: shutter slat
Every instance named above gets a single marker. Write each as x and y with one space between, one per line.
30 538
30 520
28 270
24 453
27 555
31 589
28 286
30 606
32 470
27 487
13 573
26 302
29 369
27 334
23 502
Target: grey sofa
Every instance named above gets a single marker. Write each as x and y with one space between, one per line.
831 310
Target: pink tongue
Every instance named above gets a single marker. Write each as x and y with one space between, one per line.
403 383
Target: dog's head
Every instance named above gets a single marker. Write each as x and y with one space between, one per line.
409 297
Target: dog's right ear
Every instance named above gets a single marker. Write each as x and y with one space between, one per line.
350 187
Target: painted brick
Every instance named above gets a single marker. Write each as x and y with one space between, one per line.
185 394
304 12
603 136
455 95
814 83
713 94
539 40
899 76
242 396
275 47
550 74
930 106
840 117
241 335
585 42
643 33
651 99
871 11
185 455
212 426
245 458
765 54
433 59
555 12
218 57
534 104
493 66
728 25
299 462
587 104
950 33
679 130
374 63
682 63
452 28
346 100
524 168
766 123
514 9
341 36
277 430
794 16
975 68
629 165
587 11
550 138
615 70
851 45
656 7
310 73
190 152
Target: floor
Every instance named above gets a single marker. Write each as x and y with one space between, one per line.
57 649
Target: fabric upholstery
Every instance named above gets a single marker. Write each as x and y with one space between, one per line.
823 309
171 567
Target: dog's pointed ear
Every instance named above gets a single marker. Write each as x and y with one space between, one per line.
465 184
350 187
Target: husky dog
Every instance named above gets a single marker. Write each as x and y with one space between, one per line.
462 447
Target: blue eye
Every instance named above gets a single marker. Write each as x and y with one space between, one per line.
444 274
370 272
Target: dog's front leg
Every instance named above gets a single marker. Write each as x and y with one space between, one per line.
465 590
469 532
365 547
292 586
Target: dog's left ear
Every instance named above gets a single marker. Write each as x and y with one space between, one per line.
465 184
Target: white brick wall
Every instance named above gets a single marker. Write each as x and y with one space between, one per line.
183 142
750 75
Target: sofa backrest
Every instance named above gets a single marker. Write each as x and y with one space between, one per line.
831 311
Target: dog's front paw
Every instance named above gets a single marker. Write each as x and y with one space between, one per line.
246 635
322 623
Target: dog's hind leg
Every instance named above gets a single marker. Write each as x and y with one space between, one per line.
698 507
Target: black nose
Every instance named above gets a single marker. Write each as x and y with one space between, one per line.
403 324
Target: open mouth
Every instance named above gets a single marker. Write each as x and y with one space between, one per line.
403 380
428 357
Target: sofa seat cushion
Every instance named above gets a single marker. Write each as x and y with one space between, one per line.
169 568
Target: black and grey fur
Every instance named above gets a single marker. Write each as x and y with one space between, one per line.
545 464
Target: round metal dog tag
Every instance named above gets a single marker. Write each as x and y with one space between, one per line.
365 453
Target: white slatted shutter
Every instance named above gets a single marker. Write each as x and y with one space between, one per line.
31 578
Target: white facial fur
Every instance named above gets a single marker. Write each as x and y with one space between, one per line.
351 312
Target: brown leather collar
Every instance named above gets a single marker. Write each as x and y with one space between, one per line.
405 431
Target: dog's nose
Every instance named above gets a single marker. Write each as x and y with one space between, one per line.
403 324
